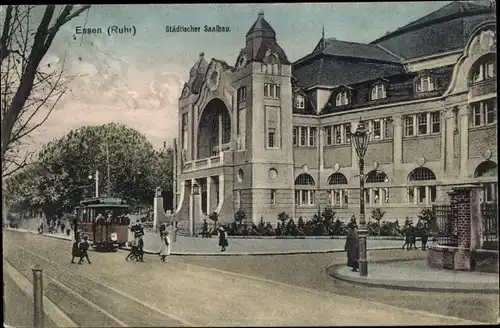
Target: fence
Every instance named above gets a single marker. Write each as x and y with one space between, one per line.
489 213
447 224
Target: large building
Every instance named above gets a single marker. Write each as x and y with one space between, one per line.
268 136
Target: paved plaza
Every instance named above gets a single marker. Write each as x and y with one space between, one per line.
417 275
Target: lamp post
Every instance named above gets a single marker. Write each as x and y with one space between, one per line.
360 140
96 182
195 192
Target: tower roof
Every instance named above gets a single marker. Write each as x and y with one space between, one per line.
261 25
197 73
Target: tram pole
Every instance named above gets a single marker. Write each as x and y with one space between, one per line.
38 318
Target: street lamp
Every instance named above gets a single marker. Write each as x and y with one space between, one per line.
360 140
96 182
196 189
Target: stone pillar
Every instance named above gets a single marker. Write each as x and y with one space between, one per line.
208 198
464 139
398 139
476 218
467 211
447 136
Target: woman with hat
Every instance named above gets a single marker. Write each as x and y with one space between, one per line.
223 239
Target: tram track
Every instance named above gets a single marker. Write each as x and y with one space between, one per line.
88 302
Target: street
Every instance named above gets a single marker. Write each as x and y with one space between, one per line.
242 291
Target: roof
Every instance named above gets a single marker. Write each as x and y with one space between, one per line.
197 74
261 25
448 11
444 30
334 47
336 70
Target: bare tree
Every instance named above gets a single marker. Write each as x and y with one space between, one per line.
29 93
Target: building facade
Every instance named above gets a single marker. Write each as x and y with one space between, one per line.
269 136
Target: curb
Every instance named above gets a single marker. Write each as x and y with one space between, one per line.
262 253
332 271
326 251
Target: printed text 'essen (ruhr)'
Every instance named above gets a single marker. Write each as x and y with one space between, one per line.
113 29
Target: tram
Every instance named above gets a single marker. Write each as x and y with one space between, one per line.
104 220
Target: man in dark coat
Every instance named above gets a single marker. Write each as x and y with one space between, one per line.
223 239
138 236
352 245
75 251
204 232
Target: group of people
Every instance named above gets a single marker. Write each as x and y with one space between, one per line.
80 248
411 233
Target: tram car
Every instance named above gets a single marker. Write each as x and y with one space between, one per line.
105 221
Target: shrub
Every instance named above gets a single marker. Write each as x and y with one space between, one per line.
240 216
339 228
378 215
390 228
373 228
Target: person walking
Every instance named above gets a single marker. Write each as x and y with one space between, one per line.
204 231
223 239
75 251
165 246
352 245
84 247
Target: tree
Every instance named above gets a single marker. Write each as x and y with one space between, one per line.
214 216
240 216
28 92
378 215
60 179
283 217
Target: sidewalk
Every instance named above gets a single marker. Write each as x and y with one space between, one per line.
197 246
418 276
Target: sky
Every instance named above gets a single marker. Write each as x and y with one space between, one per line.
137 79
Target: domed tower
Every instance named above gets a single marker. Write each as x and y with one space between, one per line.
264 171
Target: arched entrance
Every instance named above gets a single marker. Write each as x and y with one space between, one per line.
214 130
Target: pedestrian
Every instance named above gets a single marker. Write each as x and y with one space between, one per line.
75 251
165 246
63 225
163 228
352 245
84 247
204 232
223 239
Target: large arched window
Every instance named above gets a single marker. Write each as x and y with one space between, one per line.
424 192
488 170
337 195
376 193
376 176
214 130
485 68
304 190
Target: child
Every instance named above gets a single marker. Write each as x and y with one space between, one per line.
84 247
165 246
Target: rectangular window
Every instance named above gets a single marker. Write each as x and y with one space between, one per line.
337 197
273 197
242 94
409 127
377 133
312 136
303 135
297 197
337 131
185 131
388 129
272 90
435 122
271 142
295 135
477 113
300 102
422 123
328 135
347 132
422 196
489 111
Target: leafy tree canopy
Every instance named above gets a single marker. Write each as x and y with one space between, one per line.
65 172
